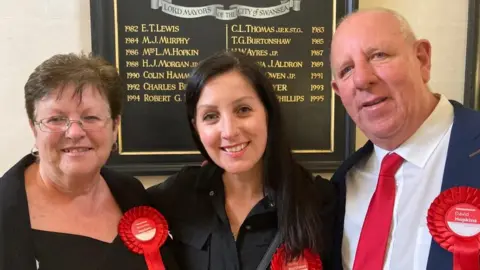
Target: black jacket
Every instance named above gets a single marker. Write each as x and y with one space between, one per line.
193 202
16 243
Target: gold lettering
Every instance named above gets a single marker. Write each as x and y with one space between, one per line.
317 87
135 87
177 75
165 40
248 28
171 52
131 52
153 75
178 97
182 86
131 64
156 98
133 75
237 28
289 30
318 29
280 87
160 28
131 40
316 52
291 99
168 64
131 98
159 87
285 64
318 41
317 64
243 40
251 52
316 75
131 28
316 99
276 75
259 29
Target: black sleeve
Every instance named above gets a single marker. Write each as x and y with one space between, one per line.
168 196
327 207
127 190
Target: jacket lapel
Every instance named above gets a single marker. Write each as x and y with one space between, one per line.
127 191
462 168
16 242
338 180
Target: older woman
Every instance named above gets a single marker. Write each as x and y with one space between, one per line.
59 208
226 214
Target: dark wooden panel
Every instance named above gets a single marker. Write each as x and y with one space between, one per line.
155 44
472 60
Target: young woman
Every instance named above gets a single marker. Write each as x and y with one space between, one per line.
225 214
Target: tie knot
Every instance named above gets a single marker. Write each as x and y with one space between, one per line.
390 164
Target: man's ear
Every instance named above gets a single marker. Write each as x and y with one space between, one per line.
334 86
423 52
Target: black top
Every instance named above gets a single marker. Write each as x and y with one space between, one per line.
60 251
22 248
193 202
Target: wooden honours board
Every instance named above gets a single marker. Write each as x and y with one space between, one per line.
156 43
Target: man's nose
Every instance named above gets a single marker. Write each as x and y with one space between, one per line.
364 76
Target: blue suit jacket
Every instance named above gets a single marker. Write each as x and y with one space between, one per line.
461 169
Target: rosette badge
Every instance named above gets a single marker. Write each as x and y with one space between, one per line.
144 230
454 223
308 261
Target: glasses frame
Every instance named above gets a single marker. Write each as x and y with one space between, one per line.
43 127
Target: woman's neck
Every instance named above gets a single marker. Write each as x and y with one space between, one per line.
244 186
84 190
242 192
59 206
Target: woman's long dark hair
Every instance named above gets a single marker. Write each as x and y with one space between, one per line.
297 204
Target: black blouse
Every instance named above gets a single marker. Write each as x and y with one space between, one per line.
193 202
22 248
60 251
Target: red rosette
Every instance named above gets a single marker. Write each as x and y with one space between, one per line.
144 230
308 261
454 223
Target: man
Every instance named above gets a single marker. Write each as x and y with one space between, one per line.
423 143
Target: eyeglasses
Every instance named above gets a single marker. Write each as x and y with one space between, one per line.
61 123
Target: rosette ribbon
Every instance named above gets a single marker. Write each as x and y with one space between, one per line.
144 230
307 261
454 223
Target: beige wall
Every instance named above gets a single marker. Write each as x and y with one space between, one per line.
32 30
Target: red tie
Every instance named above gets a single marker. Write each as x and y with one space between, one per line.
376 227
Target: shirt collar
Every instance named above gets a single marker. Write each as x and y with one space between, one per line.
419 147
210 180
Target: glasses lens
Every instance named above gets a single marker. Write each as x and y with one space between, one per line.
54 124
60 124
93 123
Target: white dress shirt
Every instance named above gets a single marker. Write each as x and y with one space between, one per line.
418 183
